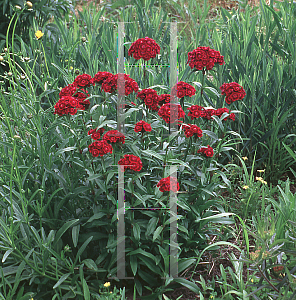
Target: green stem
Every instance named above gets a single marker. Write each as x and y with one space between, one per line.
45 59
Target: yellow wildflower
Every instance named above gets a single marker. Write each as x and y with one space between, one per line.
39 34
260 171
1 58
71 68
244 158
252 280
259 178
245 187
107 284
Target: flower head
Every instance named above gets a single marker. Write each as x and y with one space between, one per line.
192 130
244 158
150 98
145 48
114 136
100 148
131 161
83 80
39 34
165 184
182 89
110 84
142 126
207 151
100 77
204 57
233 92
170 116
96 134
107 284
245 187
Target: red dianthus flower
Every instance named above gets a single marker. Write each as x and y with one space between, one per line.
207 151
100 148
114 136
142 126
233 92
96 134
109 85
150 98
182 89
132 162
204 57
165 112
165 184
100 77
192 130
83 80
145 48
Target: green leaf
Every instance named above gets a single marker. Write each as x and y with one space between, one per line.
61 280
90 264
134 264
85 290
151 226
136 231
96 216
186 283
153 154
82 248
62 230
6 254
185 263
75 235
157 233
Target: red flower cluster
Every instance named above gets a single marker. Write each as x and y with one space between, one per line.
150 98
278 269
100 77
145 48
191 130
196 111
109 85
67 105
164 98
100 148
79 94
182 89
114 136
164 184
142 126
83 80
96 134
207 151
204 57
131 161
165 112
233 92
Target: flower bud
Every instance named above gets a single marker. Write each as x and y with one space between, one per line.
29 4
5 50
26 59
83 39
1 58
23 77
17 7
9 74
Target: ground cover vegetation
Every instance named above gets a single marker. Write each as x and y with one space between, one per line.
231 160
